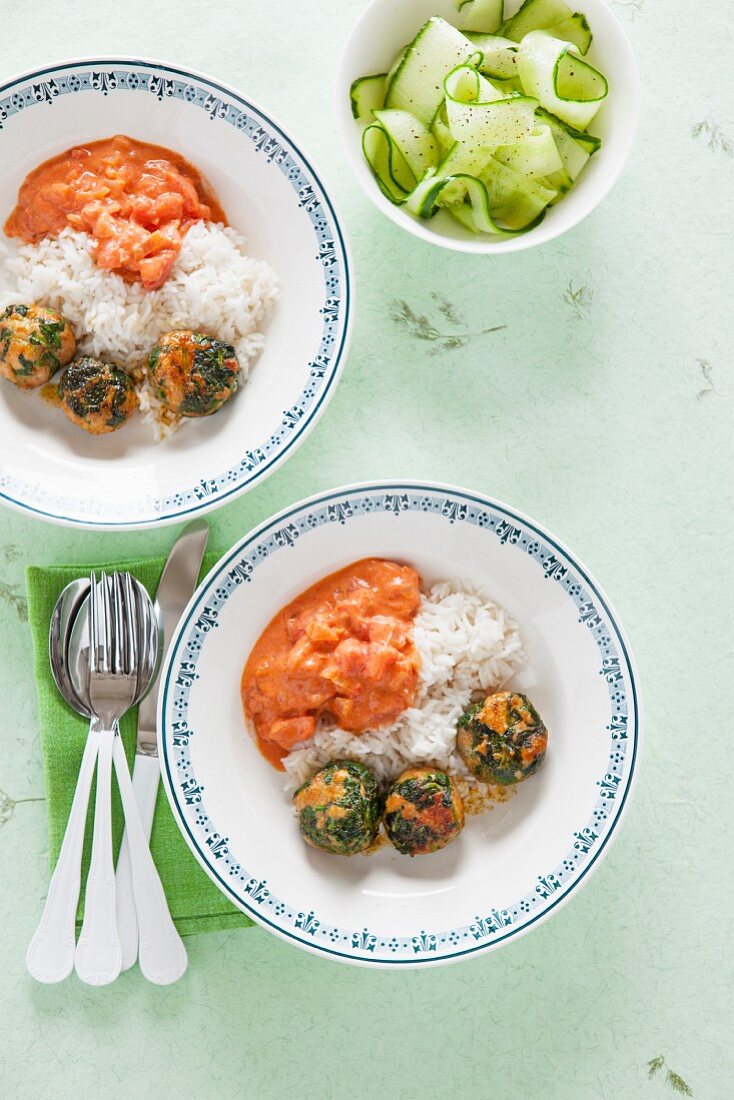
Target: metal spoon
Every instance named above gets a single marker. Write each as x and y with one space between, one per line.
50 956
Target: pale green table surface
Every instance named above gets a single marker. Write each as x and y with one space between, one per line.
603 410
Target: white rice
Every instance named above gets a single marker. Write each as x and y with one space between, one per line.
467 643
214 287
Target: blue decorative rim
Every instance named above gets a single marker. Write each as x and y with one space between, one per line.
251 893
113 75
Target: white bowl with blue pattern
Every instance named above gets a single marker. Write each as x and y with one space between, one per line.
512 867
271 194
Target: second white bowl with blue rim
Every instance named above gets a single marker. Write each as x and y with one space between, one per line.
275 197
514 866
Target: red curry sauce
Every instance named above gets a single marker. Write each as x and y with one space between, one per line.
343 649
136 200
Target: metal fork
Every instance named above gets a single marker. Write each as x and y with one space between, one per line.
161 953
112 689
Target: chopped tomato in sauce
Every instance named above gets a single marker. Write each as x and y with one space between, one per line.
136 200
343 649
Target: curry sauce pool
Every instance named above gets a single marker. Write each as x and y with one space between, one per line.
343 651
134 199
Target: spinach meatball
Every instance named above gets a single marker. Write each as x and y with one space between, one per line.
97 396
34 343
339 808
423 811
503 739
193 374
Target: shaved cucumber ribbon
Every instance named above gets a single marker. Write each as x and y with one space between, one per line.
552 16
575 29
400 150
441 132
414 141
367 95
535 15
516 202
479 114
535 156
566 85
449 191
415 85
574 148
480 15
464 160
393 175
499 200
499 55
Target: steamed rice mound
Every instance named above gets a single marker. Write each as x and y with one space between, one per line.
214 287
467 643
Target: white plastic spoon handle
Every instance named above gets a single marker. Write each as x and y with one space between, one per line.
146 775
50 956
161 953
98 956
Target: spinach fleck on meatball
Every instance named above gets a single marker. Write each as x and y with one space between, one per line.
339 808
97 396
193 374
503 739
423 811
34 343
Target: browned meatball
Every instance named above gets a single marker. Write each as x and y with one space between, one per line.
193 374
423 811
502 739
97 396
339 808
34 343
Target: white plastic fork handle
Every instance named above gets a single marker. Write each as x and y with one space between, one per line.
98 957
50 956
161 953
146 775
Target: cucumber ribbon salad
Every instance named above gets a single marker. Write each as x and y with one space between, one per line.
487 122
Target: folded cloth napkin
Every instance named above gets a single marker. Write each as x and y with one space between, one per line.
195 902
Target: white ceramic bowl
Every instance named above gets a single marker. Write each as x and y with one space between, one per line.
386 25
512 867
271 194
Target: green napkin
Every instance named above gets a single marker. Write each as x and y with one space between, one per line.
195 902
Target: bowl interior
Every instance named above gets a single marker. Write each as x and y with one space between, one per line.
521 858
387 25
272 196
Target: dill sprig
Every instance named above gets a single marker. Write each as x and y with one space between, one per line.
672 1079
707 373
8 804
634 6
421 327
447 309
579 299
715 136
10 595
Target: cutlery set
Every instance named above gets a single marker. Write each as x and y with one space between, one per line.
105 646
